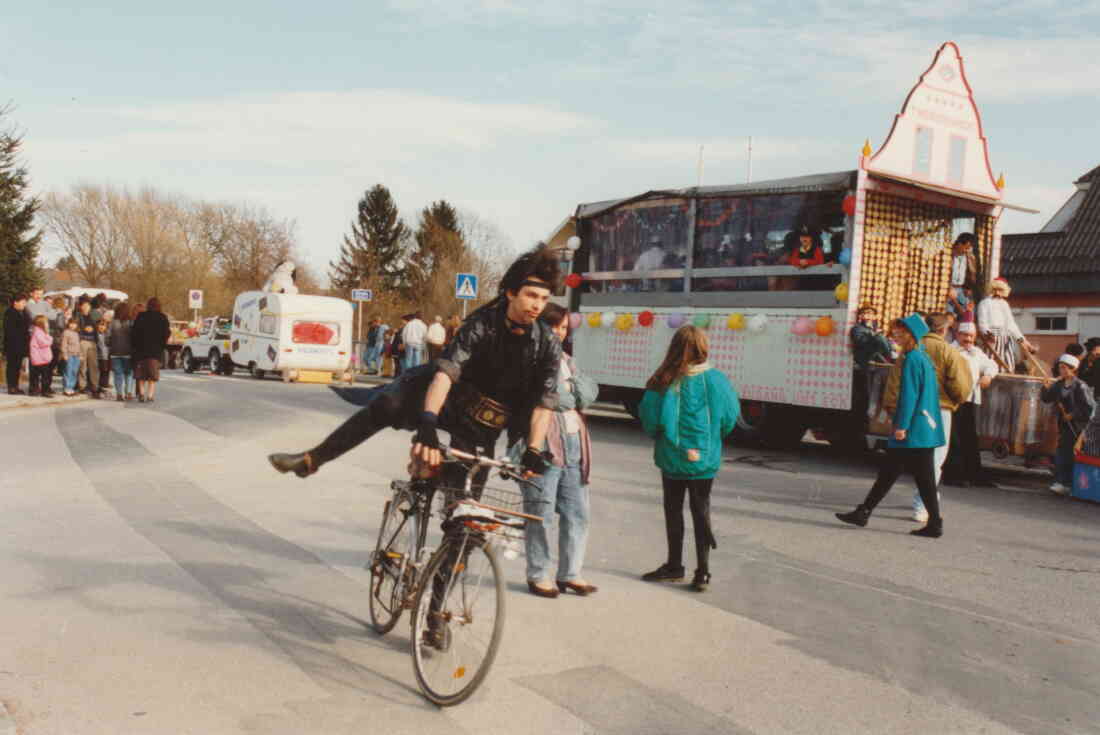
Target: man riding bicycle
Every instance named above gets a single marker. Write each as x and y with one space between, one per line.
499 372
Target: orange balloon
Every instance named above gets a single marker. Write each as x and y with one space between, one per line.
824 326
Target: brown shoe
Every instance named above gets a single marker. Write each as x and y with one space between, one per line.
581 589
547 592
300 464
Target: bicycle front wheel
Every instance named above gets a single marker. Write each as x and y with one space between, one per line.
458 620
391 565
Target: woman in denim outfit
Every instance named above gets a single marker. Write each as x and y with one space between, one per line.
564 487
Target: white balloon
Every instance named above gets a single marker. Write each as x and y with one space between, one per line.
608 318
757 323
573 243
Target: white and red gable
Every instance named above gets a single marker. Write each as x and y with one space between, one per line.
937 138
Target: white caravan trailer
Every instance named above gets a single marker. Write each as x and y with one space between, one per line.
305 338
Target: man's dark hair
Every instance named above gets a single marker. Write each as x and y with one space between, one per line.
540 262
553 314
18 297
966 238
153 304
1075 349
937 321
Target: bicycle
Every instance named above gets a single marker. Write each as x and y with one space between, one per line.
456 592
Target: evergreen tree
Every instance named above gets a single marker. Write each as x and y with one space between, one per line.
18 240
440 245
373 253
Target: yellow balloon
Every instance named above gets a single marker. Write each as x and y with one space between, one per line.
736 321
624 322
841 292
594 319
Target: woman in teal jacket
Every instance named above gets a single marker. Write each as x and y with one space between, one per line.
918 430
688 408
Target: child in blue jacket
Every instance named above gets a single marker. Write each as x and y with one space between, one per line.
918 429
688 408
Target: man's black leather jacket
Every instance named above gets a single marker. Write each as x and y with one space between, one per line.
520 371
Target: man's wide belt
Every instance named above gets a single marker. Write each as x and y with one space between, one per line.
488 413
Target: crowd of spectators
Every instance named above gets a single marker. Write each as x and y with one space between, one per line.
83 346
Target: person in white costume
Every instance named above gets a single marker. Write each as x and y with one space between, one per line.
282 280
999 326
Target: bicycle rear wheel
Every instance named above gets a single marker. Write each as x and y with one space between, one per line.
391 564
458 620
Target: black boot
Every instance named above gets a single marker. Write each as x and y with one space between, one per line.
857 517
303 465
934 529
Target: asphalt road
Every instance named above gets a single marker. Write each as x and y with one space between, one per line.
159 577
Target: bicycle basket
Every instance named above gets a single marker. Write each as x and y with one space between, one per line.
499 510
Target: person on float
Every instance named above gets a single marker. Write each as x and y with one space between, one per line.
954 383
964 274
1090 366
809 251
964 461
869 345
1075 405
998 326
918 431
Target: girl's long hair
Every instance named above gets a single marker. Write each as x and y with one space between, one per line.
689 347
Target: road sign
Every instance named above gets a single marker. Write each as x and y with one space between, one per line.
361 294
194 299
466 286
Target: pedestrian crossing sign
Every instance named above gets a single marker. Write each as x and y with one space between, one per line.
466 286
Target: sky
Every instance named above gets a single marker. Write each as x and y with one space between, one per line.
518 111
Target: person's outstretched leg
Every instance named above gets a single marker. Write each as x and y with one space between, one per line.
383 409
888 474
699 499
673 569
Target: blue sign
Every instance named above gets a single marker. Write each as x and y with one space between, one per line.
466 286
361 294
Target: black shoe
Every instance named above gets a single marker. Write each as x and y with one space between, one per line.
665 573
934 529
857 517
302 464
700 581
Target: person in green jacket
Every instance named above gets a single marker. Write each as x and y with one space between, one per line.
918 430
688 408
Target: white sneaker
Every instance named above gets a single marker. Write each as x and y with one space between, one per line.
921 516
1059 489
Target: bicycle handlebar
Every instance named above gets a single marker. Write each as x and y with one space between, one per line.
509 468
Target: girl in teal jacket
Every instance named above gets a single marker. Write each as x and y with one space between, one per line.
688 408
918 430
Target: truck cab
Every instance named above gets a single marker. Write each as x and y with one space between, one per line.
210 348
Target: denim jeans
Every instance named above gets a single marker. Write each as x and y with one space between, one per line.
1063 457
374 357
414 355
123 368
72 370
939 457
559 490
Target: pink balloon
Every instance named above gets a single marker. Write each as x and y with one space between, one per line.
574 320
802 326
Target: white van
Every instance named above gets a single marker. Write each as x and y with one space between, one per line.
300 337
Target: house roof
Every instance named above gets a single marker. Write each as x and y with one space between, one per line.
1057 261
1089 177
